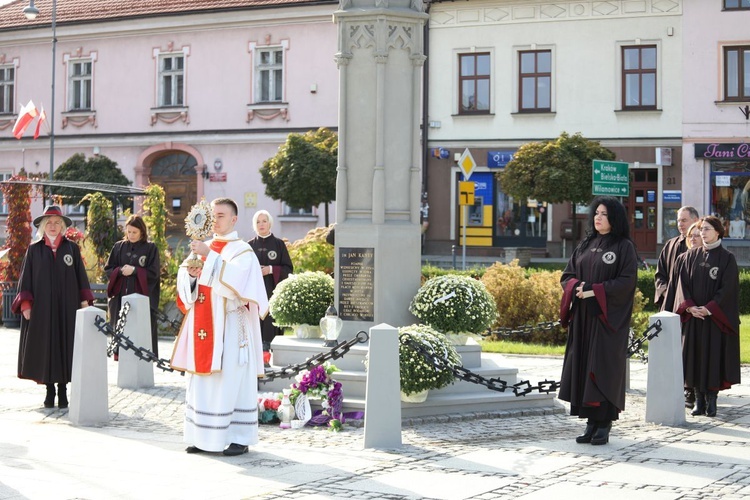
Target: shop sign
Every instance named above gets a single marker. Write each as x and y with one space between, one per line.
672 196
723 151
498 159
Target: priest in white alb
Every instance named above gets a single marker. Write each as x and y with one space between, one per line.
219 344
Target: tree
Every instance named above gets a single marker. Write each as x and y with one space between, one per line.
303 172
81 169
101 229
554 171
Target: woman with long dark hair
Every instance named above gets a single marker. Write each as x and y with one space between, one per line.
707 301
599 286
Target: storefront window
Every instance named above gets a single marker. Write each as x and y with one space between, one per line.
519 223
730 196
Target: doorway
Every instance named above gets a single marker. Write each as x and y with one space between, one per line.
175 172
641 206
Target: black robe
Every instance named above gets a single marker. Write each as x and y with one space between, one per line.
146 279
56 284
665 279
593 375
271 251
710 346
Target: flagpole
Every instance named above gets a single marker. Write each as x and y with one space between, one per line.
31 12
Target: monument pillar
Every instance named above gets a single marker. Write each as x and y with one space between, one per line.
378 240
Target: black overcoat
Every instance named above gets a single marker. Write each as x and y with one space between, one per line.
710 346
56 284
271 251
665 278
598 327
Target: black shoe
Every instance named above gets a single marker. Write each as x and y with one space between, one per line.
49 401
194 449
601 435
700 404
586 436
711 404
689 398
235 449
62 396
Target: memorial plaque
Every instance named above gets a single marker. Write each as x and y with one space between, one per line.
356 275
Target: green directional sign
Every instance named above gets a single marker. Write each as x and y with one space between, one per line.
610 178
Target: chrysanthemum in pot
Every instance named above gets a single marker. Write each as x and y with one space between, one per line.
454 304
302 299
418 375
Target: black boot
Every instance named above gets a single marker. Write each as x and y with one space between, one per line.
586 436
601 435
700 403
49 401
689 398
62 396
711 403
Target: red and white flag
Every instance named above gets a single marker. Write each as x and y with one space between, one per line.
27 114
42 118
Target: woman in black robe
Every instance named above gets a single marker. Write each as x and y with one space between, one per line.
52 287
275 265
708 305
599 286
133 267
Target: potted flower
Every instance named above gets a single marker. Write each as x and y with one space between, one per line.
454 304
300 301
318 383
418 375
18 229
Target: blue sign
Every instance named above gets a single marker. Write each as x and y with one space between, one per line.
650 196
498 159
672 196
483 184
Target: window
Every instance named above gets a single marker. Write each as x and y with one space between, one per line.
291 211
639 77
269 72
171 80
7 89
730 196
737 73
535 80
736 4
474 83
4 176
79 97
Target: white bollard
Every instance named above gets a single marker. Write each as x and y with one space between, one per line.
133 372
665 401
383 396
89 403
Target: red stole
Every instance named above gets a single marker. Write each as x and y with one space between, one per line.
203 322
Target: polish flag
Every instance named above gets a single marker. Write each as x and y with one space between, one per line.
42 118
27 114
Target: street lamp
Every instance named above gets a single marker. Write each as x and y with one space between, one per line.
31 12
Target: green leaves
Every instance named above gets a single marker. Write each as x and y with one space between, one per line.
81 169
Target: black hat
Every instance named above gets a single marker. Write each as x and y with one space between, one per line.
50 210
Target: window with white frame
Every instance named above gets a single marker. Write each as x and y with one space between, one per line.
269 75
79 85
737 73
4 176
639 74
7 89
172 80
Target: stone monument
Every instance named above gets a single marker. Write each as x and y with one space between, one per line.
377 240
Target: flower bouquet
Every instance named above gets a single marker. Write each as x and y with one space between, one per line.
301 299
268 407
454 304
417 374
317 383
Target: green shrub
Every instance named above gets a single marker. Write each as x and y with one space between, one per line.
647 287
416 373
312 253
430 271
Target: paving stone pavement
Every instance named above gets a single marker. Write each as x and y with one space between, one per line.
530 455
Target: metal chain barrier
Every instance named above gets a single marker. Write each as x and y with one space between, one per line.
119 339
522 330
635 346
521 388
336 352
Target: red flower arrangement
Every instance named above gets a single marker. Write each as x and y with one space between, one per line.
74 235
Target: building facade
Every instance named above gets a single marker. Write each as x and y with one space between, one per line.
504 73
191 96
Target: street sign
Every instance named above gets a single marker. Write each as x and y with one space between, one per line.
467 164
610 178
466 193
